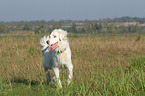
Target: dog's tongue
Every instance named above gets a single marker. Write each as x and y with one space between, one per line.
53 46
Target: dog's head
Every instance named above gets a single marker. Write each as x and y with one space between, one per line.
56 37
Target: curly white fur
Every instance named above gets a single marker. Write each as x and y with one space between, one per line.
43 43
60 57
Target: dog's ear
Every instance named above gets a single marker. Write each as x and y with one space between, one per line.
63 35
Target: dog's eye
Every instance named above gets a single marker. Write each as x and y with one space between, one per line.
54 36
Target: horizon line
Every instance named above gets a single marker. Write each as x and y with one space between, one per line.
70 19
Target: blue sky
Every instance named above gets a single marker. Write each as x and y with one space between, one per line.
27 10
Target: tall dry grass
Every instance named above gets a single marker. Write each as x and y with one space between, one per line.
104 53
21 57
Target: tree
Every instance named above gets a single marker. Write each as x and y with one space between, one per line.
42 29
26 27
2 28
56 25
97 27
73 28
132 28
82 30
112 28
136 28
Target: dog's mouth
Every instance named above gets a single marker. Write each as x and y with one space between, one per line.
53 46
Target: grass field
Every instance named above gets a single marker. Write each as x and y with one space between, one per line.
102 66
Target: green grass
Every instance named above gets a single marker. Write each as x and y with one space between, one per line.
128 82
104 66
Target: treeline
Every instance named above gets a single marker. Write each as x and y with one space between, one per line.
126 19
116 25
113 28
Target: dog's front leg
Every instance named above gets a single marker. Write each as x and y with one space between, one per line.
70 74
57 79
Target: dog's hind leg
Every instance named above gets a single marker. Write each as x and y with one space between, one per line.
47 75
57 79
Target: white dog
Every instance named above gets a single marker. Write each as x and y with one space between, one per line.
57 54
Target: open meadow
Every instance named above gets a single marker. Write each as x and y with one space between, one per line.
103 66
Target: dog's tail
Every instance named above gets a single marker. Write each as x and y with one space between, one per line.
43 43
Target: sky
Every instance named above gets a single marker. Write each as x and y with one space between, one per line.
28 10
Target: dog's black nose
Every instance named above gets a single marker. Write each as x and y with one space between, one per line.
47 42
